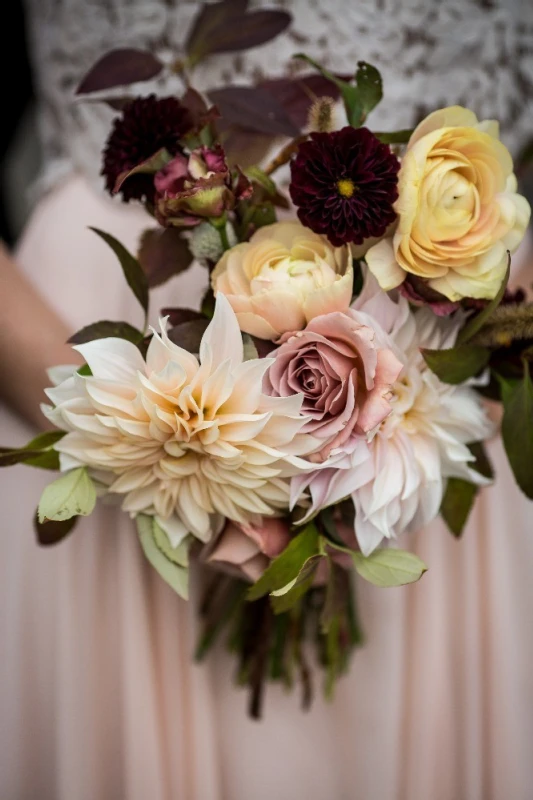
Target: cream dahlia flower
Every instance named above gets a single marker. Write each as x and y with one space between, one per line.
458 209
397 479
187 440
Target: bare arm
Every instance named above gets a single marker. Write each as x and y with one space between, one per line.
32 338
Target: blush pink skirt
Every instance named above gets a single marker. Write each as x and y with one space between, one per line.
100 698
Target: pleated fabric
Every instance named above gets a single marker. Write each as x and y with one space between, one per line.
100 698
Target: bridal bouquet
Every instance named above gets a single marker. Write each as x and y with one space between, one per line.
330 395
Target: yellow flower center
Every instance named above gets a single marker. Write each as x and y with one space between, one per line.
346 187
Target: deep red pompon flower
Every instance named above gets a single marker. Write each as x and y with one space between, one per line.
344 185
147 125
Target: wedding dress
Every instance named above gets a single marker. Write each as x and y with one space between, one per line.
99 697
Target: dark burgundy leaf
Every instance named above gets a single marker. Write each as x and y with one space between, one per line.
250 30
189 334
53 531
226 27
253 108
208 19
106 329
120 68
163 253
296 95
245 147
178 315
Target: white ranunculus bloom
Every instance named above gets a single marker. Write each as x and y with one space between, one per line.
397 479
188 440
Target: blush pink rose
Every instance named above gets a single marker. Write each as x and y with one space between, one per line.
247 550
343 373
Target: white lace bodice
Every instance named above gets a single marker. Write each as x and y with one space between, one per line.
431 53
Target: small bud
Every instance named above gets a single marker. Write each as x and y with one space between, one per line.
205 243
321 115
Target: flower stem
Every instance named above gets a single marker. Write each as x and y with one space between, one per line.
285 154
220 224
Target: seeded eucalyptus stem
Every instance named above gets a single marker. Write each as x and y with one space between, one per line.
506 324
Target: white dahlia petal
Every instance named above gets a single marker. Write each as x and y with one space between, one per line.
189 440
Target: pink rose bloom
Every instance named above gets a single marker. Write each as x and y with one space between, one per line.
247 550
343 373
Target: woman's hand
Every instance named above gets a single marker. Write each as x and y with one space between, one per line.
32 338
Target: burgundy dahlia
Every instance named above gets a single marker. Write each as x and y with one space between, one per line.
344 185
147 125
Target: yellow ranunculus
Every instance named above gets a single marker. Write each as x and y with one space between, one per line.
282 278
458 210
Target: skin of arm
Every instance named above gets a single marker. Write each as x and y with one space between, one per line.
32 338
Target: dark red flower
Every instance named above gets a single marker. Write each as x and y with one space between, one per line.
344 184
147 125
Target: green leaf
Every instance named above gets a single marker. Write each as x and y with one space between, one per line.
389 567
482 463
394 137
73 494
359 99
476 322
288 564
457 503
284 599
369 86
148 167
105 329
52 532
456 364
249 348
133 272
164 559
349 93
178 555
85 371
256 175
37 453
517 429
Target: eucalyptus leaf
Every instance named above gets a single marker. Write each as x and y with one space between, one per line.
457 364
389 567
288 564
457 503
517 429
73 494
475 323
133 272
169 568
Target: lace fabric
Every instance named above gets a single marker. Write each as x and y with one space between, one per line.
477 53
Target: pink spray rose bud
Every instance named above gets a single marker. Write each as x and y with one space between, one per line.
246 550
191 189
343 374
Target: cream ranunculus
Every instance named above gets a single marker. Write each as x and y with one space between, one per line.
282 278
458 209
